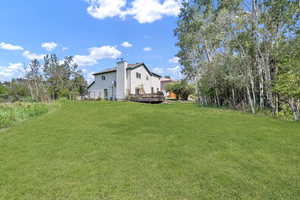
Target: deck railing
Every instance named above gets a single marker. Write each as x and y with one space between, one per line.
147 98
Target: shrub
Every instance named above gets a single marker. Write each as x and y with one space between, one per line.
12 112
182 89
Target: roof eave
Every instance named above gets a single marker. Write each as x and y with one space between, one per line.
99 73
154 74
130 68
91 85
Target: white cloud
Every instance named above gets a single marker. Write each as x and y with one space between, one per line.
65 48
49 46
61 62
31 56
101 9
89 77
84 60
96 54
13 70
158 70
148 11
174 60
10 47
147 49
126 44
144 11
175 72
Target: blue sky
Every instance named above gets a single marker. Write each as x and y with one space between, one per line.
96 32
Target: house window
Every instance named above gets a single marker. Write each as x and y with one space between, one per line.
152 90
157 89
103 78
147 77
138 75
105 93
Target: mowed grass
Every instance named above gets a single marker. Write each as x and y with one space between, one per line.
118 151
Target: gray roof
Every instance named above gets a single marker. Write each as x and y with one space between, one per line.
108 70
129 67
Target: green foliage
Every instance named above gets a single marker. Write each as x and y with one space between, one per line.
12 112
288 81
241 56
54 79
3 89
181 88
64 92
17 89
285 112
13 91
288 84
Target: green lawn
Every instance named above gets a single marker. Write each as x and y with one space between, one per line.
118 151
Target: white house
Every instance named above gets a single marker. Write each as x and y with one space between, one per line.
117 83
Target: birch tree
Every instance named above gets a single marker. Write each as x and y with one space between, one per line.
231 51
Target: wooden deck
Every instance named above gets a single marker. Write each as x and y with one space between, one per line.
147 98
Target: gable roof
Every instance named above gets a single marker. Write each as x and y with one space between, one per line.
129 67
154 74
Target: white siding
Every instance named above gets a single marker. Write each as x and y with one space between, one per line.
128 76
143 82
156 83
121 80
97 89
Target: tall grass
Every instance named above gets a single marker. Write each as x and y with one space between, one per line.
13 112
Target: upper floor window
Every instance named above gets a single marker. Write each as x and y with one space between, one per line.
102 77
147 77
138 75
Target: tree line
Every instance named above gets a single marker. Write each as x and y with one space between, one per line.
47 80
244 54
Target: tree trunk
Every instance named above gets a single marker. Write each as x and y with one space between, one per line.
37 92
261 88
276 105
268 80
254 55
233 97
253 92
217 98
251 78
295 108
30 89
250 100
199 98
